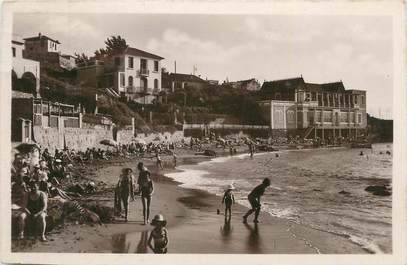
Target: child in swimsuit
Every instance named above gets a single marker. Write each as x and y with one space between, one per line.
228 199
159 235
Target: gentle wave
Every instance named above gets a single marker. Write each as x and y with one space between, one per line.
214 175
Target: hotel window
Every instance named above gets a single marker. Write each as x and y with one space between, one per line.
117 61
14 51
363 100
155 66
359 118
155 83
131 62
130 81
122 79
356 99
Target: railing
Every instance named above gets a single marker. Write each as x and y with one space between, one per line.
225 126
136 90
143 72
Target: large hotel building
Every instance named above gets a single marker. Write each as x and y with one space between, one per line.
296 108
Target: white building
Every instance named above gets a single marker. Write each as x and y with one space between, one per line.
133 73
25 73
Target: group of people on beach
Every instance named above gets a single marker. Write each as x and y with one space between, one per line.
254 197
125 191
34 179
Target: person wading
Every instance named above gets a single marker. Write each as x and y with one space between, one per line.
125 187
254 199
146 188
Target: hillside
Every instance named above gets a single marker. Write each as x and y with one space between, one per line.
380 130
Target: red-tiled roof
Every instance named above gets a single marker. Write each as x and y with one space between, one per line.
42 37
284 84
17 42
141 53
295 83
183 77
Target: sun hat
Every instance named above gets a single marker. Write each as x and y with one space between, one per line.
58 160
230 187
159 218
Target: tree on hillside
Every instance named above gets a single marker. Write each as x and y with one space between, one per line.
114 45
81 58
100 53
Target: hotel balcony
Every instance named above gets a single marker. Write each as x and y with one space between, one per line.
141 90
135 89
143 72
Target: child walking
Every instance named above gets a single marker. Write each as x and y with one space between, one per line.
228 199
159 235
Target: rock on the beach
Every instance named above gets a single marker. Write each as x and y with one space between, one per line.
379 190
55 212
344 192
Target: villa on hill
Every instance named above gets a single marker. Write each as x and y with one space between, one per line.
249 84
47 50
132 73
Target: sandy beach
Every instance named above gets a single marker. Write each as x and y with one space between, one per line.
193 224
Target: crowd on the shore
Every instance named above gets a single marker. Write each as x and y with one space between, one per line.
38 175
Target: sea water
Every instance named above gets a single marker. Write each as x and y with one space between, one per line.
305 186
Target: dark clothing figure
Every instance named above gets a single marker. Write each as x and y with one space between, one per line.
125 189
228 199
254 200
146 188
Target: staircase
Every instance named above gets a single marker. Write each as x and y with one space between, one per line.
112 92
308 131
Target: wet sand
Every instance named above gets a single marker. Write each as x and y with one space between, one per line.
193 225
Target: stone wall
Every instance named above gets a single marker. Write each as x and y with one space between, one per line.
74 138
83 138
175 137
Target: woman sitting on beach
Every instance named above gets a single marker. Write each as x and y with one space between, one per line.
159 235
35 211
146 188
125 189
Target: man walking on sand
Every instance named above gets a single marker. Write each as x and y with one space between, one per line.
254 199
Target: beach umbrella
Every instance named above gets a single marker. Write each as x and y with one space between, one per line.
109 142
26 147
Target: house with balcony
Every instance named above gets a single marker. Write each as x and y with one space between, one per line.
295 107
134 74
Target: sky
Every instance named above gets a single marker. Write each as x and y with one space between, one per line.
354 49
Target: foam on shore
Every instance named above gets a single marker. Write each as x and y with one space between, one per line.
201 179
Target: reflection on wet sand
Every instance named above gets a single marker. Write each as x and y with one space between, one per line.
142 244
226 230
126 243
253 239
